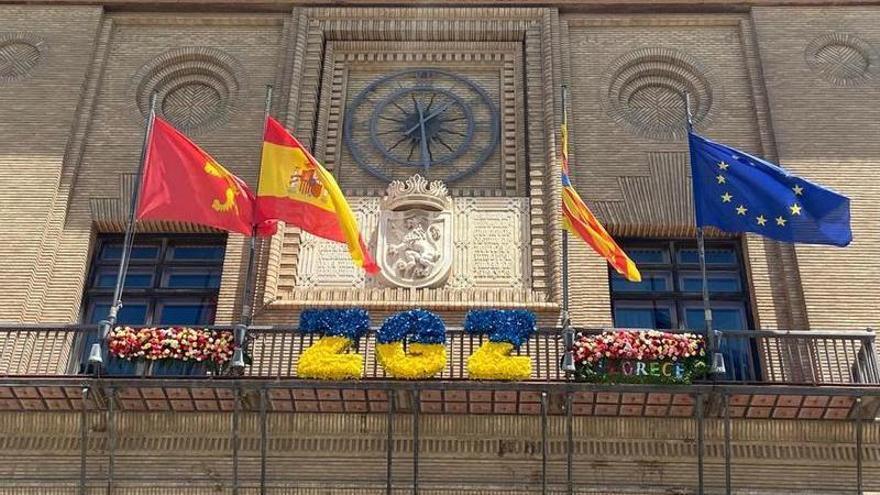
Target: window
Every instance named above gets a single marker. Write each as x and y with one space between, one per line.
172 280
670 293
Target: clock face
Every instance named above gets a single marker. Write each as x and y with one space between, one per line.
425 121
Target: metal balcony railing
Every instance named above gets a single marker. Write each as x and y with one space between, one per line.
753 357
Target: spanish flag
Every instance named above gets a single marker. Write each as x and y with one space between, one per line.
578 219
295 188
183 183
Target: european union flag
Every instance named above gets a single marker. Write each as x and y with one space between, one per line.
738 192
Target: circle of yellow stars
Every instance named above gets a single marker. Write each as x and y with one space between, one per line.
742 210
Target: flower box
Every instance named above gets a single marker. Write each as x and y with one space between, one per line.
121 367
649 356
176 367
173 351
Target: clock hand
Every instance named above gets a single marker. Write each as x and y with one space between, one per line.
429 117
438 111
424 141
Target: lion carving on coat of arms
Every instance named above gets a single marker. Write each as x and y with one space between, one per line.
415 233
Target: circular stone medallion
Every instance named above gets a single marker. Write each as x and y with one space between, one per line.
191 104
196 87
645 92
19 54
841 59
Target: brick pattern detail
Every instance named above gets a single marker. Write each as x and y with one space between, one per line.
19 53
37 141
196 88
771 455
838 152
841 58
646 91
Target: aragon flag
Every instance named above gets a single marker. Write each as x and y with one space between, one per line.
295 188
183 183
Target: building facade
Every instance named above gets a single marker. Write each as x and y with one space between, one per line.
795 81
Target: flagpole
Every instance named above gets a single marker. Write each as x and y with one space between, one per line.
564 231
250 277
567 363
247 296
96 352
711 343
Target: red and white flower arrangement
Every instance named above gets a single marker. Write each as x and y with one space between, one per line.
182 343
640 356
651 345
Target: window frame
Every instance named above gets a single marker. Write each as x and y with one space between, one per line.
160 267
677 295
153 297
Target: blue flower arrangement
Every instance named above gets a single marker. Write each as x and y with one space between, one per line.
514 326
415 325
351 323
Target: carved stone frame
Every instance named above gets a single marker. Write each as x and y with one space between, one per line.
508 58
537 30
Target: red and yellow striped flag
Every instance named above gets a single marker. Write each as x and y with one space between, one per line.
295 188
579 220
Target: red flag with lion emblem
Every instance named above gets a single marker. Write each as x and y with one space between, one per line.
183 183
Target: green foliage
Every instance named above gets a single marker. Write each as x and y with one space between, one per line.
694 367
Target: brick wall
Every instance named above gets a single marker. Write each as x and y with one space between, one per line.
106 138
38 112
631 167
73 130
329 453
826 129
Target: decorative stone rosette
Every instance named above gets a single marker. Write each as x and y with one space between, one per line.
19 54
196 87
645 90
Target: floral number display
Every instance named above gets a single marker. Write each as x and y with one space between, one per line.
425 335
640 357
326 359
507 330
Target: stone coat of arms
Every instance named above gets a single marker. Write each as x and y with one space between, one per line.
414 247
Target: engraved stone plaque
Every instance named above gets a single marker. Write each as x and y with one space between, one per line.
323 263
489 248
491 237
491 254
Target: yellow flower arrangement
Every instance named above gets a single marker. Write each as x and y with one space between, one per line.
326 360
492 361
422 361
507 329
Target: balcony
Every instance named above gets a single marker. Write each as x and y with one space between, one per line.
753 356
770 374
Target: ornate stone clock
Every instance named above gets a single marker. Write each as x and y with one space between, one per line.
428 121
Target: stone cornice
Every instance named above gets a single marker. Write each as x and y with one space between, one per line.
653 6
